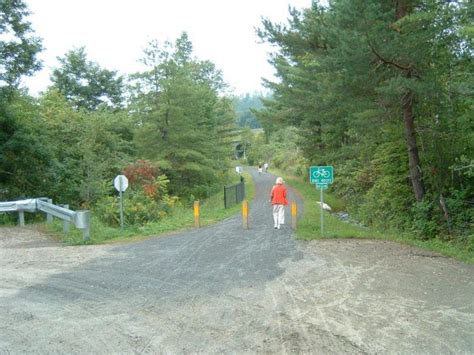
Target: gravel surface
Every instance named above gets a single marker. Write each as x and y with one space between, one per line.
225 289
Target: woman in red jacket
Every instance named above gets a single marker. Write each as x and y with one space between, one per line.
278 199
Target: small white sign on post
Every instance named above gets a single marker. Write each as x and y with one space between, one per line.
121 184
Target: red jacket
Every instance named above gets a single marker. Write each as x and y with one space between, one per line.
278 195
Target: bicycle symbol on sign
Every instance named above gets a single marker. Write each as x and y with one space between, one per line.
321 173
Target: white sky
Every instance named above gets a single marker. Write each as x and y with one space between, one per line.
115 32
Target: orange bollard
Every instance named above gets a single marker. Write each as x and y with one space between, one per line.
196 214
245 214
294 212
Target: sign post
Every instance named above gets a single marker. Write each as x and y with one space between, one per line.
121 184
322 177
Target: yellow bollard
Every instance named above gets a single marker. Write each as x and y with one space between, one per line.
245 214
196 214
294 212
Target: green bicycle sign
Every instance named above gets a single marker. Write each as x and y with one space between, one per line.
321 175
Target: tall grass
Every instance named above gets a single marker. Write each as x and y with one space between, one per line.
309 225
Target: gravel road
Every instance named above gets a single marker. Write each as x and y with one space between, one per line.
223 289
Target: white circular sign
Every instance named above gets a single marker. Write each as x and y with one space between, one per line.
121 183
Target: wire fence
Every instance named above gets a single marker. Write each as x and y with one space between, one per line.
234 194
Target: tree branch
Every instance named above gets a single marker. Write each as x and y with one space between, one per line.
389 62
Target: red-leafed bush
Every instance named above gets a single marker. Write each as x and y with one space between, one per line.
142 172
145 176
146 199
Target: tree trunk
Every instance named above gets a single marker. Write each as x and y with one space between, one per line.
402 8
410 136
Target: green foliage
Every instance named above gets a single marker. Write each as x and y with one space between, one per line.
182 122
280 150
18 47
85 84
309 224
88 148
25 159
146 200
423 224
244 106
21 148
139 208
369 84
430 220
461 213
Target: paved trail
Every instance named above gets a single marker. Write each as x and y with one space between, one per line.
225 289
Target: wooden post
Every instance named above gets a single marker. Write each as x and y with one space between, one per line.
196 214
245 214
294 212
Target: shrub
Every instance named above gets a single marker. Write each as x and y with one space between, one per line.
424 219
138 208
147 199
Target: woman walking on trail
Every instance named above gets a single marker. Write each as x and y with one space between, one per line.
259 168
278 200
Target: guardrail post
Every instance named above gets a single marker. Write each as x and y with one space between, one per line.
65 223
294 212
83 221
21 218
245 214
49 217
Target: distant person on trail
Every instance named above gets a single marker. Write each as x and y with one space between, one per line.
265 166
259 168
278 200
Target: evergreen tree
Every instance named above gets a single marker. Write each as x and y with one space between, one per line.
181 121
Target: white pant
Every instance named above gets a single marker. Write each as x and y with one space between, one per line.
278 215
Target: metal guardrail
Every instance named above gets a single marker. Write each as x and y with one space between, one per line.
23 205
234 194
81 218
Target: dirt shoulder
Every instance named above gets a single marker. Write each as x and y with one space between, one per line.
331 296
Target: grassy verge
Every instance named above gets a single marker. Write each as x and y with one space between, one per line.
212 211
309 226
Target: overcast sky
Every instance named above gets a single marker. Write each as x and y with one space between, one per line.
115 32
